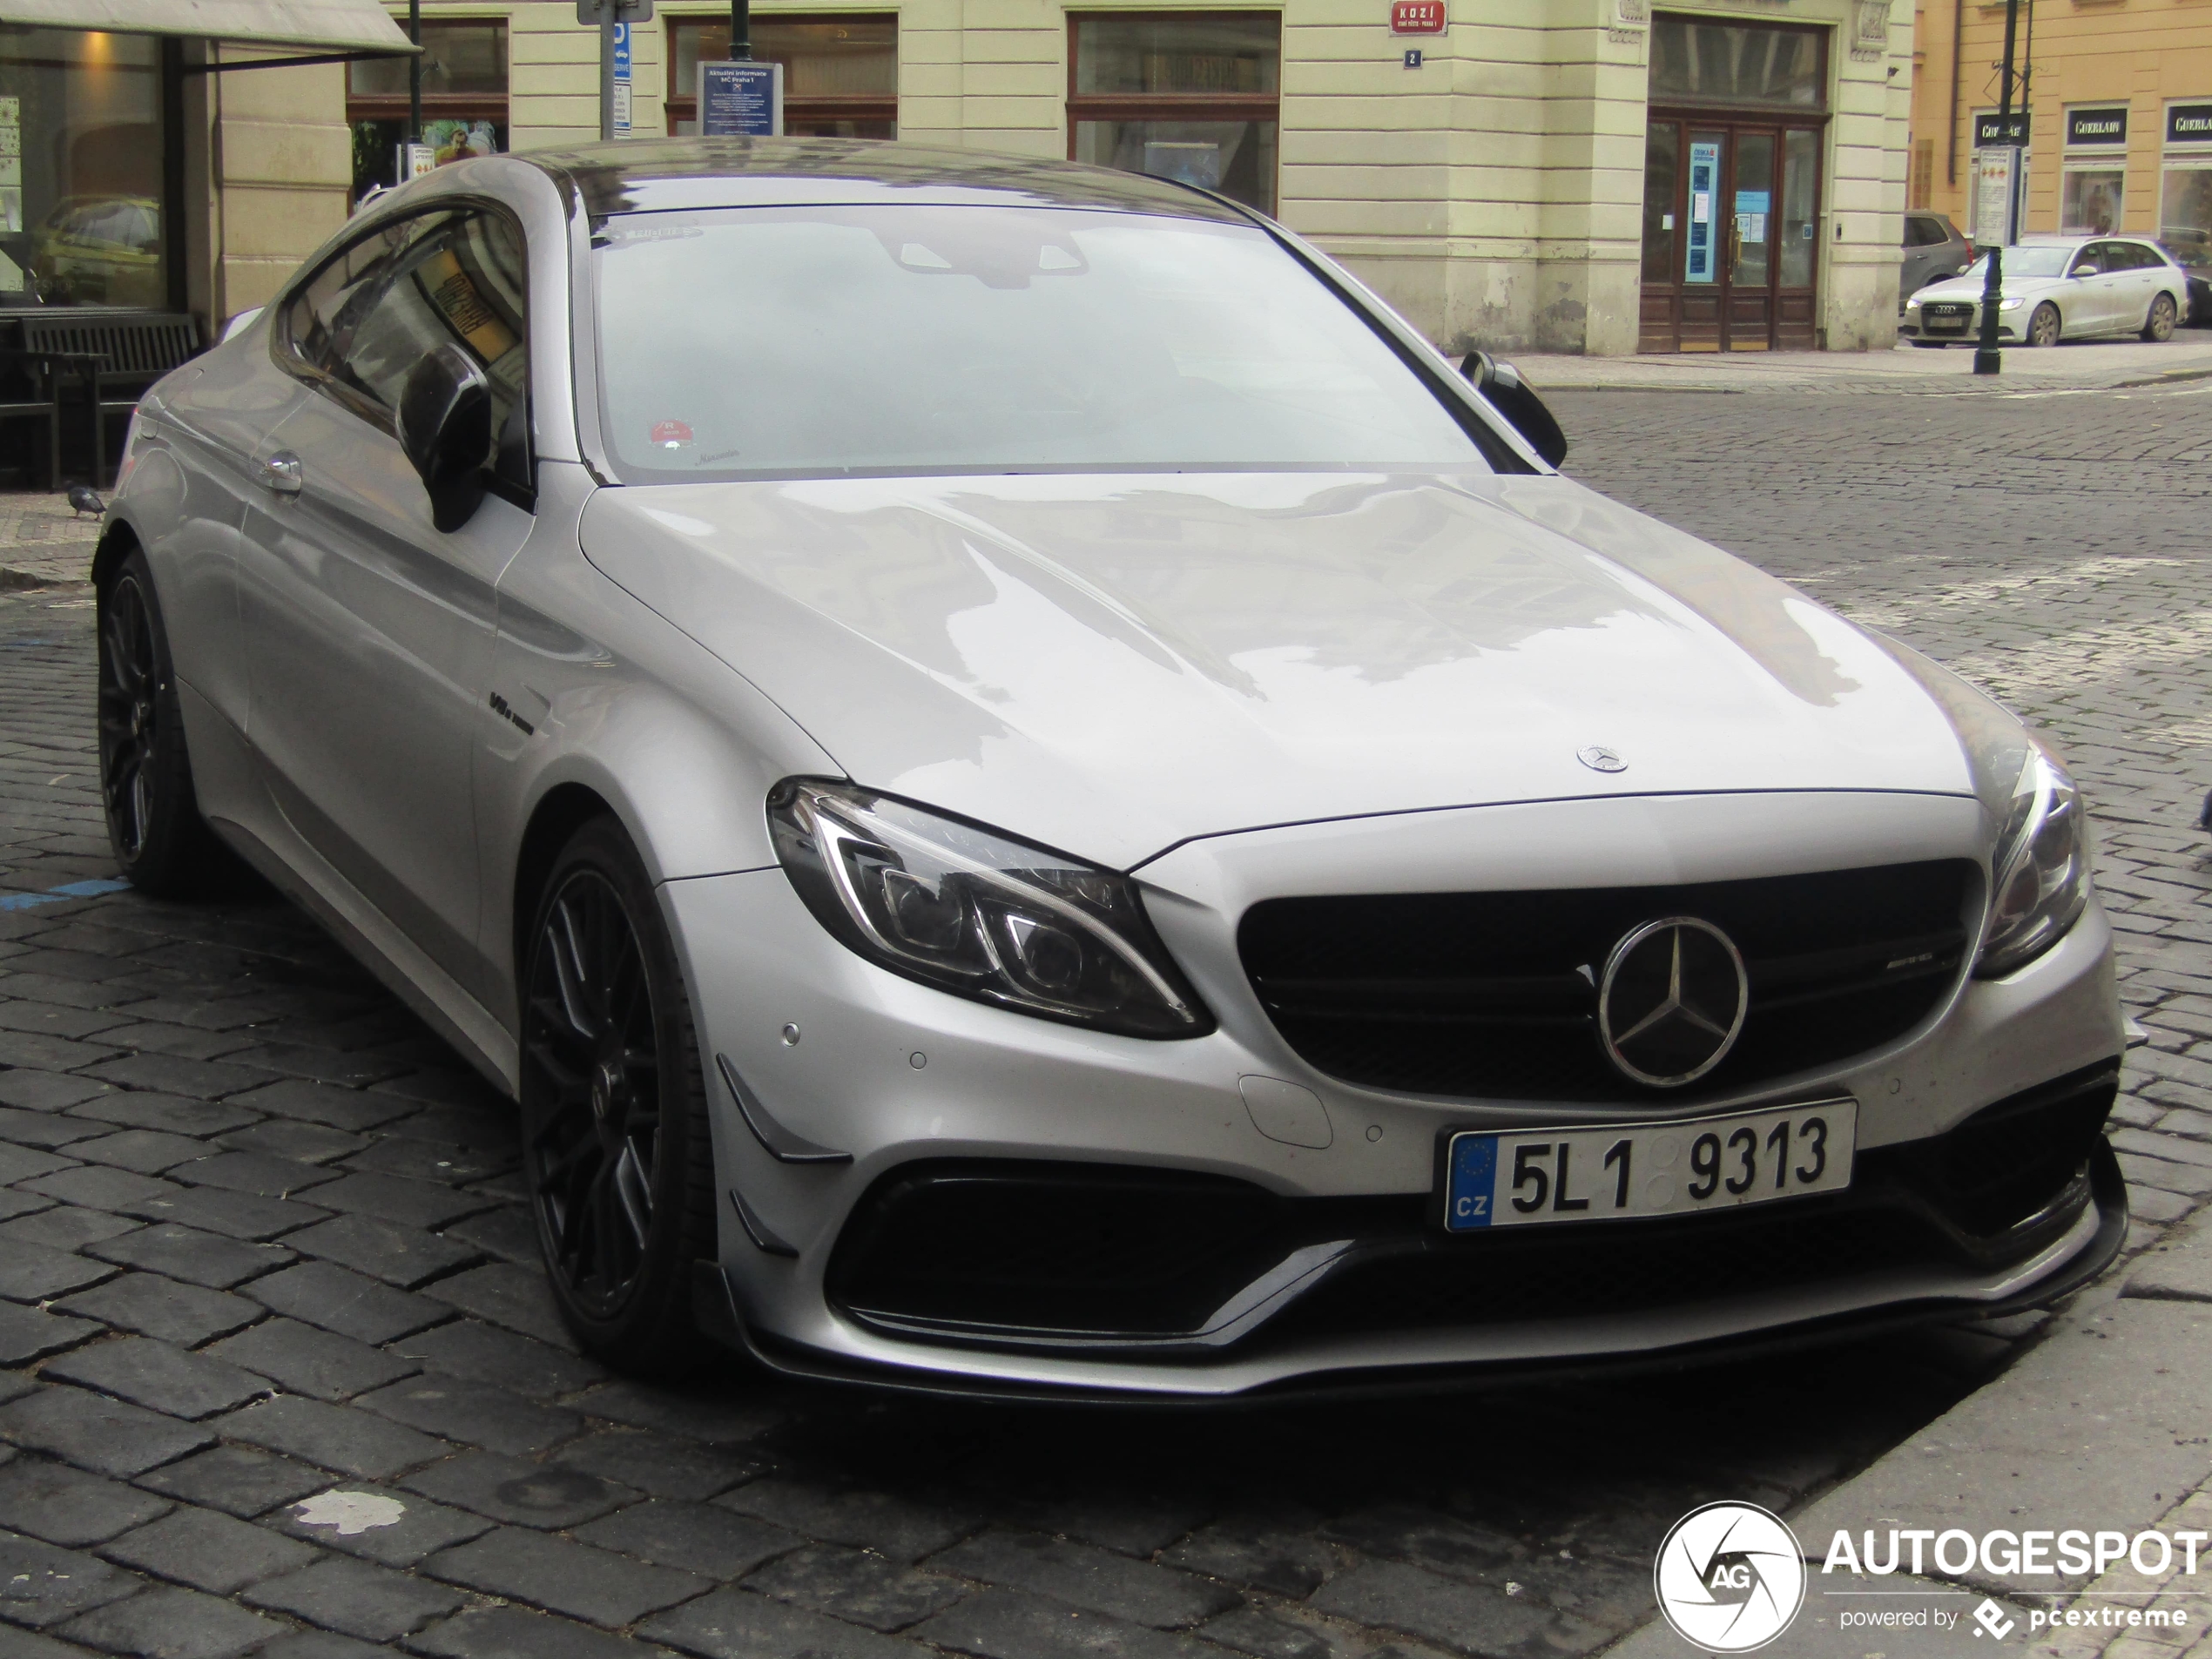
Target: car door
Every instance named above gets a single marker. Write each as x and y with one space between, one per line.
2144 277
1923 246
368 628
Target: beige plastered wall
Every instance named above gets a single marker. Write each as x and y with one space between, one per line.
2141 53
1493 194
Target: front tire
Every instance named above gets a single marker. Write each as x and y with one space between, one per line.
2043 327
617 1152
162 844
2159 326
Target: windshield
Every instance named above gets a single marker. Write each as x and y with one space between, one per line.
819 340
2022 262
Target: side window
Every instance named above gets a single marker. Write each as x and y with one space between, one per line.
455 279
1924 232
319 317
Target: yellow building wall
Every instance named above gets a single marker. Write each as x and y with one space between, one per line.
2145 54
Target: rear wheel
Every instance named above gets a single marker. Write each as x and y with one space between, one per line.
2160 324
153 822
616 1148
2043 327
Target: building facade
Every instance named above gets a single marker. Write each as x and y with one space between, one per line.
1599 176
2118 100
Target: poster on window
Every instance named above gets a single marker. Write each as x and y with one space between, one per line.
1705 170
459 139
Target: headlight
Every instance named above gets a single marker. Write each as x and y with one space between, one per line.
2040 873
975 913
2012 304
1914 304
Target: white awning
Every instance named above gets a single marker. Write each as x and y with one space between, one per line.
325 26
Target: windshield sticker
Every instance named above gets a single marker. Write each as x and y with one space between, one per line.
670 434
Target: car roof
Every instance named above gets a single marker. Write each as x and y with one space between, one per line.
664 174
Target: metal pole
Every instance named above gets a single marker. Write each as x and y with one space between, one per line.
741 29
413 76
1987 359
607 68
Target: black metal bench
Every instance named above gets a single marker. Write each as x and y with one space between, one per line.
113 355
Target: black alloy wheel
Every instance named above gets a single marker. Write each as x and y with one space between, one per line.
2160 325
616 1147
2043 327
153 818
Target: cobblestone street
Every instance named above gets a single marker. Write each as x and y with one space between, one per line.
282 1377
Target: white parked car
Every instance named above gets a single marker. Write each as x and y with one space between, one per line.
2058 287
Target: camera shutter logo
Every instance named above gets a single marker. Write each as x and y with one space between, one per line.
1730 1577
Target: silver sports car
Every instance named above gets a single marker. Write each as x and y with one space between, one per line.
1031 794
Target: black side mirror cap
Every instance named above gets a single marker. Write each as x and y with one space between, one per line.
1513 397
445 429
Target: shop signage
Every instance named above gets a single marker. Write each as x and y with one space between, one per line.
742 98
1417 17
1991 131
2189 124
2096 126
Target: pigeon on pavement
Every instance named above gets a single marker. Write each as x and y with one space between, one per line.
85 499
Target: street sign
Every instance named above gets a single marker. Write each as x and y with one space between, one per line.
592 13
622 52
741 98
622 78
1417 17
415 160
1992 131
1999 187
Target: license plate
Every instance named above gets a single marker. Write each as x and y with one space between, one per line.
1944 324
1625 1171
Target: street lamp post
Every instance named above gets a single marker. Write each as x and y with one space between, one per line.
740 29
1989 359
415 73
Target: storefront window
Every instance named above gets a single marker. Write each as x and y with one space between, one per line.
2089 199
1190 96
2185 189
1697 62
464 98
840 73
80 169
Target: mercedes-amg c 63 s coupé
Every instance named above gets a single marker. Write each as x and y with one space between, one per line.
1030 793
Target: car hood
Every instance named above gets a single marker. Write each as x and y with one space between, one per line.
1970 289
1111 665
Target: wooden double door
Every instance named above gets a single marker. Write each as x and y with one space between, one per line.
1731 226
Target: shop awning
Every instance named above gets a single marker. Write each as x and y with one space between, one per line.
333 26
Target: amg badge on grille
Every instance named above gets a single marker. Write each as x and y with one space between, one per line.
1672 1001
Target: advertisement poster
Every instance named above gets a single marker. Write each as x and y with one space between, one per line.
1704 169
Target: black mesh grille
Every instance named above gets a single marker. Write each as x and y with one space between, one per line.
1492 994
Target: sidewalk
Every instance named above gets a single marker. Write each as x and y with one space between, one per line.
42 543
2094 366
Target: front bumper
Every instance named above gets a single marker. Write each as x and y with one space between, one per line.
887 1078
2012 326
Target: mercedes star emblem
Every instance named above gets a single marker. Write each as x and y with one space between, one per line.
1598 757
1672 1001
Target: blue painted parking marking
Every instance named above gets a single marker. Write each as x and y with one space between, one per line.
55 895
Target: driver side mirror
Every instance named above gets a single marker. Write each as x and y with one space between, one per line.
2084 269
1503 388
445 429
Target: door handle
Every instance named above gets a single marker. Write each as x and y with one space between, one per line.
281 473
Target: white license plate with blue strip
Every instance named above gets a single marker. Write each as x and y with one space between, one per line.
1637 1171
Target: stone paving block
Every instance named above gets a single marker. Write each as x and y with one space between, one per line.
1086 1577
1005 1624
389 1198
525 1494
321 1644
661 1466
29 1644
1471 1618
402 1256
235 1215
737 1624
155 1306
322 1293
42 1586
1262 1551
507 1232
356 1598
285 1137
97 1187
511 1633
2178 1269
56 1019
1249 1631
186 1042
67 1507
174 1075
207 1259
257 1173
696 1537
45 1131
473 1414
64 1227
1128 1524
432 1160
853 1584
351 1070
158 1376
713 1412
171 1114
14 1204
106 1436
50 1053
167 1622
344 1109
32 1273
2191 1179
47 1091
506 1295
485 1353
26 1334
208 1550
891 1525
149 1151
564 1576
321 1364
241 1480
348 1441
379 1524
24 1164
